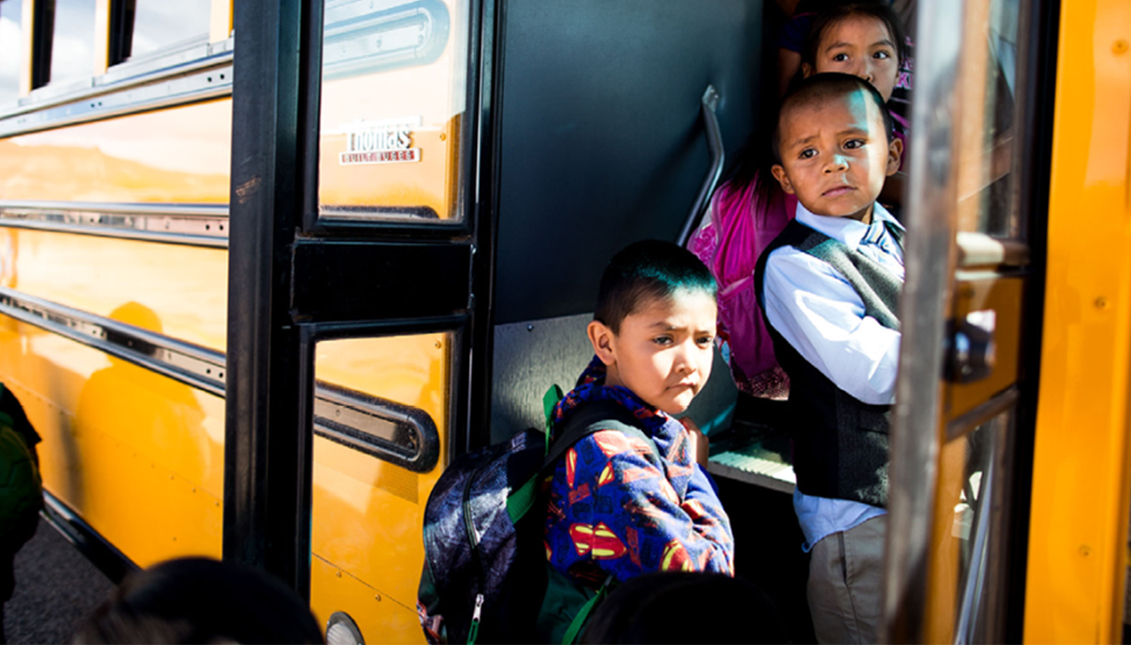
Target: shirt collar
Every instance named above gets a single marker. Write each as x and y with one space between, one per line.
844 229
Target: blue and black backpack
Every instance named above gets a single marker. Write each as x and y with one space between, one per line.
486 577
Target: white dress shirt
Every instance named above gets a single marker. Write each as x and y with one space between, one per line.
820 314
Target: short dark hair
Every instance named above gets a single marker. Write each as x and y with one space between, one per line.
646 271
200 600
835 13
819 88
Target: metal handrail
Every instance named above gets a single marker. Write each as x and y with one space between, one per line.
709 103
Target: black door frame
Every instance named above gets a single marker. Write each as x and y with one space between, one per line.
280 254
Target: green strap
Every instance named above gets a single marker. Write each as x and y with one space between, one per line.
520 501
549 402
583 614
473 633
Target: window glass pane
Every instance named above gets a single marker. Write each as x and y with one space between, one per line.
978 530
10 59
160 24
72 46
393 94
987 190
379 401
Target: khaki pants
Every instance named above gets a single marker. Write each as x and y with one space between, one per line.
845 572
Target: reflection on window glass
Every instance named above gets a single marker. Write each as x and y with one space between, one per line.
393 91
987 183
148 26
979 530
10 25
72 40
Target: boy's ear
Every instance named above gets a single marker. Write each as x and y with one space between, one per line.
895 154
603 340
779 173
806 70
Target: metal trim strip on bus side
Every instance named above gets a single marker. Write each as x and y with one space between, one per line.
400 434
188 224
201 80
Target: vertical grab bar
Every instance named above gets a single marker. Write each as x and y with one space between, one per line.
710 102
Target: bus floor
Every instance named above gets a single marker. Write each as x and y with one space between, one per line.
56 589
768 550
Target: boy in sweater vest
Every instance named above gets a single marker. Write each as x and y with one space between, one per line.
829 288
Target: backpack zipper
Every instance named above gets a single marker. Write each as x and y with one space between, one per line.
473 539
474 631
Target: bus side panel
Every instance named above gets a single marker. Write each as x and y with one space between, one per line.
137 455
176 155
183 288
367 547
1078 525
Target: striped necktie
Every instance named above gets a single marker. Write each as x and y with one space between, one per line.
878 235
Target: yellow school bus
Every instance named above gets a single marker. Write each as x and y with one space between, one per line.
266 266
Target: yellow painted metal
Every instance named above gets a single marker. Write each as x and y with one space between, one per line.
979 292
220 21
140 457
367 513
943 569
185 288
175 155
1077 542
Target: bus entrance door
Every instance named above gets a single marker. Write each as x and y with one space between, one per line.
353 259
961 393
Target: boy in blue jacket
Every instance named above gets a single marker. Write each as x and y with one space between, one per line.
617 510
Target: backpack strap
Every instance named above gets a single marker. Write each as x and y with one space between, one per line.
592 417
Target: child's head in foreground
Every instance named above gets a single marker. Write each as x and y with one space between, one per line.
200 600
834 145
864 39
654 326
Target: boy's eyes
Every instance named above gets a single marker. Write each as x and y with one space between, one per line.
807 153
853 144
665 341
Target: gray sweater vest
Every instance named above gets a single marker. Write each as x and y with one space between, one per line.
840 444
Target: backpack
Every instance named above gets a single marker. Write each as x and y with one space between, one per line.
21 489
485 572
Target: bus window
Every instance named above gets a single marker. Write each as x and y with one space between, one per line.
64 40
143 27
393 92
381 418
10 24
986 184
